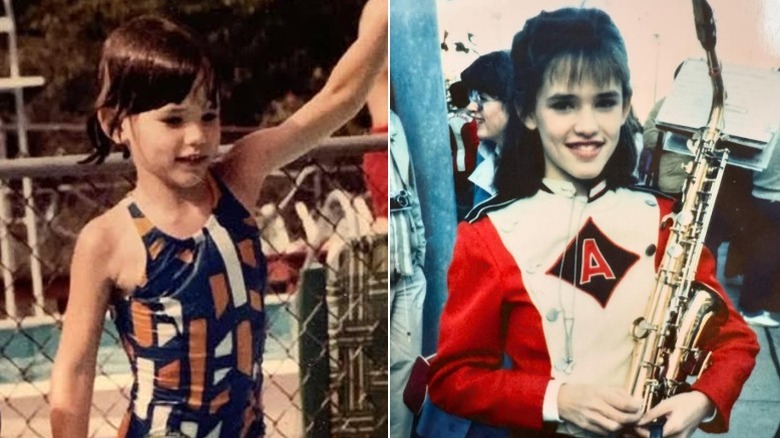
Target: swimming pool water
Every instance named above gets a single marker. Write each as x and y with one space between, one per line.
27 352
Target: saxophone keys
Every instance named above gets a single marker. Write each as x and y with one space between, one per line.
675 250
685 218
641 328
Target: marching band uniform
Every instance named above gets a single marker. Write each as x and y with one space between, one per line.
554 282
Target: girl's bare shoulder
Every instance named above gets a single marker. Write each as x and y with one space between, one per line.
105 230
111 241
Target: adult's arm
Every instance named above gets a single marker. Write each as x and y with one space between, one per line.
254 156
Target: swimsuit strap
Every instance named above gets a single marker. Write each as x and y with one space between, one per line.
142 224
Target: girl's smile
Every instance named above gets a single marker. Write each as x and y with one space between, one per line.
585 150
193 159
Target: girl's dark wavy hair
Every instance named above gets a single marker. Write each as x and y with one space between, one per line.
580 43
147 63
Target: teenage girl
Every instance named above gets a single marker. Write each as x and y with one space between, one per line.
553 277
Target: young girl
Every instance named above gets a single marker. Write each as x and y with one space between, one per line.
553 276
179 259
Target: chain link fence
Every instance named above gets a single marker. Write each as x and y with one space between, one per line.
325 364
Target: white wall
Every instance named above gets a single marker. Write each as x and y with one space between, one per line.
659 34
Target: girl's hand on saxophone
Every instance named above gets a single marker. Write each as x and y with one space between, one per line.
598 409
684 412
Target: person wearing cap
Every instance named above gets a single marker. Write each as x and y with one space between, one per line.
488 80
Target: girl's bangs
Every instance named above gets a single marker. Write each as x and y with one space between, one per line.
159 82
600 68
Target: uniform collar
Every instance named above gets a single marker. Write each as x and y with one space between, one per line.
557 187
566 188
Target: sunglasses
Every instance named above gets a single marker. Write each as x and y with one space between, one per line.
479 98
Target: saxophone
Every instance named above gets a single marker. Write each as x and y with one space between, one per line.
665 353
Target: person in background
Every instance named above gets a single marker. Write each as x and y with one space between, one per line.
760 292
463 146
662 170
375 163
488 80
407 280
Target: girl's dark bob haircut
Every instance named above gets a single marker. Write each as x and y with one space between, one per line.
147 63
570 44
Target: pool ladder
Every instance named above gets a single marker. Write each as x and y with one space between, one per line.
15 83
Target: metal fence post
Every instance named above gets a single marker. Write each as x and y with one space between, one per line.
418 83
6 252
313 352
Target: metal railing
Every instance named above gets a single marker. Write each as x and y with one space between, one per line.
326 356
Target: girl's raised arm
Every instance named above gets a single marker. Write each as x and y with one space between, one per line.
73 373
344 94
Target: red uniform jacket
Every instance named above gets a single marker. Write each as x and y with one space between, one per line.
592 258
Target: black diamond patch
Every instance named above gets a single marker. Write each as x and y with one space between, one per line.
593 263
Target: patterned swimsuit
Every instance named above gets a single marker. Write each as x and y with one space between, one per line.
195 330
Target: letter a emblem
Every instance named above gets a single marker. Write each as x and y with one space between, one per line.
593 262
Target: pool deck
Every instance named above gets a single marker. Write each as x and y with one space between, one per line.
25 410
280 397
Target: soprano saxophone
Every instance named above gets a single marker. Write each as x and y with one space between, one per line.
666 353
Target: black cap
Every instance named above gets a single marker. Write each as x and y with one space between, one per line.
490 74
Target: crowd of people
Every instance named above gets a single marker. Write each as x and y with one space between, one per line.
547 276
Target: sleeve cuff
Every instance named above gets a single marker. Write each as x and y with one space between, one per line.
550 404
711 416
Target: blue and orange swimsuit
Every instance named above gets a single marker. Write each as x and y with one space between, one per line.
195 330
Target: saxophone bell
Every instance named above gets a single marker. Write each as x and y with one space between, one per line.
705 309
